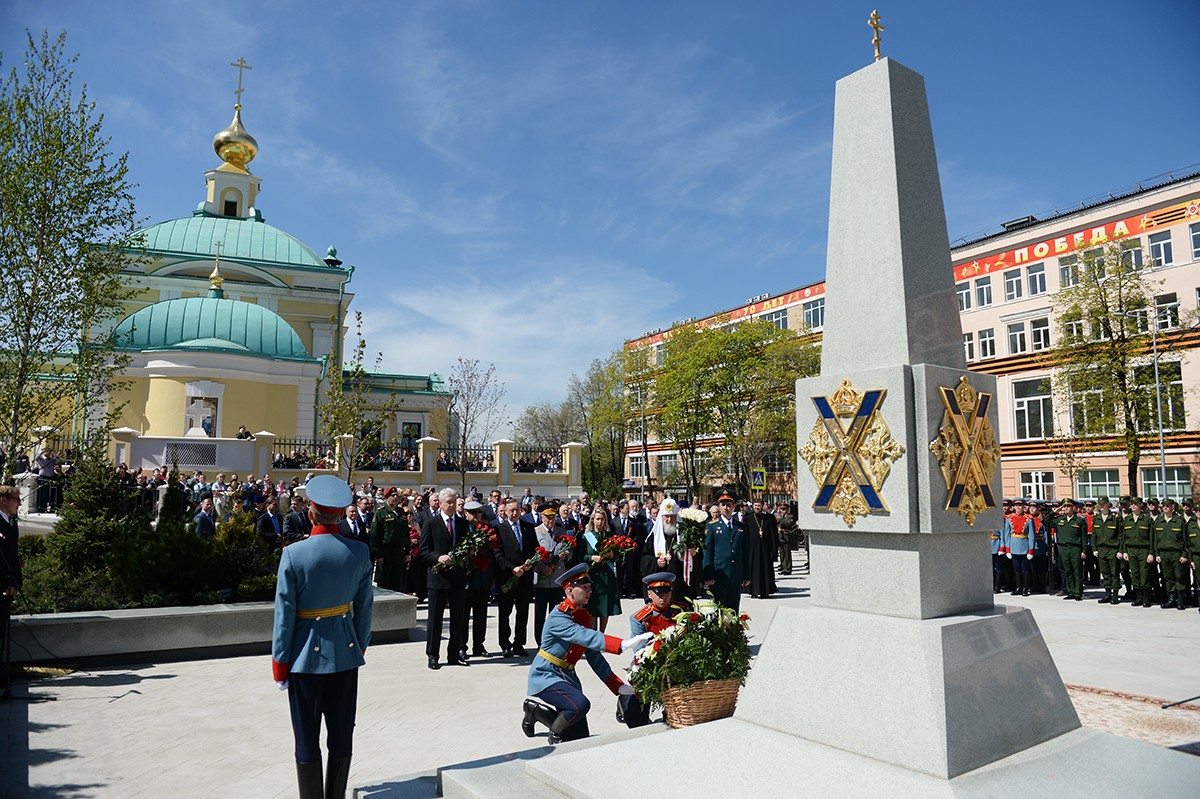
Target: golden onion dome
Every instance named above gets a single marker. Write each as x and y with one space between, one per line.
234 145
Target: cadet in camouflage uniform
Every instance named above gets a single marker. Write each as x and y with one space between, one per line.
1136 540
1169 545
1106 538
1070 531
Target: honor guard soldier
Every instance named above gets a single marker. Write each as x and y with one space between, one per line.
323 601
1017 545
656 615
567 637
1106 538
1070 531
1169 545
1136 541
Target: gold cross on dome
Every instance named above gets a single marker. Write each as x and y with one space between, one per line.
241 67
874 23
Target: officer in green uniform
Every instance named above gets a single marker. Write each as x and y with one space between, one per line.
1193 537
391 543
1136 539
1106 538
1070 531
787 538
1169 545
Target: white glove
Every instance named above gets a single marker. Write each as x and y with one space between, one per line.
635 642
1008 555
626 690
282 684
1028 556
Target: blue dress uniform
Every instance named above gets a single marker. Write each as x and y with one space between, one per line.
567 637
726 560
323 603
1017 544
647 620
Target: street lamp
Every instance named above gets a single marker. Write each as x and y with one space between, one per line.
1162 447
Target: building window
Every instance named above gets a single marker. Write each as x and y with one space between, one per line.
658 354
1016 338
983 292
1095 483
1073 330
1036 275
814 314
1012 285
1093 412
1170 380
637 466
1166 311
775 462
666 464
410 433
964 296
1039 334
1068 271
778 318
1195 241
1037 485
987 343
1179 482
1160 248
1033 409
969 346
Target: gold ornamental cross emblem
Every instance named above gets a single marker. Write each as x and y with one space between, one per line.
850 451
966 450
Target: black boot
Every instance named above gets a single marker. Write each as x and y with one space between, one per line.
308 775
1106 598
338 776
1170 601
1137 598
559 728
1017 580
535 712
1026 579
1116 596
995 582
1182 602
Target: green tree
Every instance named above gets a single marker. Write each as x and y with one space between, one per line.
1103 374
546 426
683 413
601 402
67 232
354 412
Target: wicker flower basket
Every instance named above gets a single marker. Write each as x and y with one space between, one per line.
700 702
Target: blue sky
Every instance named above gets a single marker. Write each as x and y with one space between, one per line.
531 183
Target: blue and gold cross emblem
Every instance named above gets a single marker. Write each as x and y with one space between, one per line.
966 450
850 451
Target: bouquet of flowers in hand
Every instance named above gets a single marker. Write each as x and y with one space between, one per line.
541 556
614 547
693 524
563 544
463 554
483 538
709 643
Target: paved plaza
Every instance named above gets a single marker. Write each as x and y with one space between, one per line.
195 729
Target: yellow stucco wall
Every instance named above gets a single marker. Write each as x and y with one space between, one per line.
155 406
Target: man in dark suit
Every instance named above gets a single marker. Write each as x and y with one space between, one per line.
518 540
448 585
10 569
296 525
354 526
424 509
268 525
629 571
205 519
493 511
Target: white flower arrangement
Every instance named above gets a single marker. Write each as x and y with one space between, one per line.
694 515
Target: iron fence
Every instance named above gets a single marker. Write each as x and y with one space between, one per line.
471 459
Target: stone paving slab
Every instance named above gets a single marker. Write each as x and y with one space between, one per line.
192 729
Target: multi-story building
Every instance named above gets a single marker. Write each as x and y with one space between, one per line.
1006 281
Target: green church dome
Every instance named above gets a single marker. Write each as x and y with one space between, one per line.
210 324
250 241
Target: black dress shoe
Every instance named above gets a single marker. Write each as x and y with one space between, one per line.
462 654
520 652
480 652
433 664
456 662
506 653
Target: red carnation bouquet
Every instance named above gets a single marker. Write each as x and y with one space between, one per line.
615 546
541 556
463 554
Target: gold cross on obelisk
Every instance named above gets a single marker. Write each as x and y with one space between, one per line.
241 66
874 23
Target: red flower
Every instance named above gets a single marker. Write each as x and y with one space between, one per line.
657 645
743 617
694 617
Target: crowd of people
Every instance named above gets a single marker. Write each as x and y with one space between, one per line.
1144 546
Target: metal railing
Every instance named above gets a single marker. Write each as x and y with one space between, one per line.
303 453
394 456
531 459
474 459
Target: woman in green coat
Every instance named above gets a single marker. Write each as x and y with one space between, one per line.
606 593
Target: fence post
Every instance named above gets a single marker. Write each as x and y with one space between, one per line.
572 463
502 451
264 450
123 445
427 454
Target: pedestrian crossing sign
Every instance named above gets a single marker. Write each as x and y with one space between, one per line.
758 479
